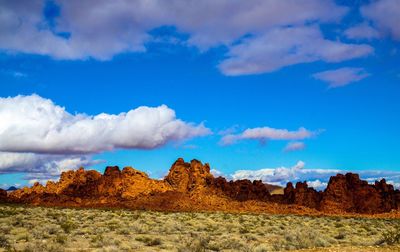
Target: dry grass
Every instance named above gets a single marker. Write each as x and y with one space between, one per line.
55 229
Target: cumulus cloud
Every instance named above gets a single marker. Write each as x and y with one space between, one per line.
385 16
266 133
42 166
317 184
100 30
317 178
278 176
282 47
342 76
37 125
362 31
294 146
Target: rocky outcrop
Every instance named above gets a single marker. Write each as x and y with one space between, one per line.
348 193
189 177
243 190
302 195
3 195
191 186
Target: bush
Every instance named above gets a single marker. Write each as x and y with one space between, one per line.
391 237
61 239
4 242
149 241
67 226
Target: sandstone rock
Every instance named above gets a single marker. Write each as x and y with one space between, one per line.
3 195
347 193
302 195
191 186
243 190
189 177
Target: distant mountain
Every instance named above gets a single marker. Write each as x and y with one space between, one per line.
12 188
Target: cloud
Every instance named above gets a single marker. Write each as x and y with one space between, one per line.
278 176
282 47
13 73
342 76
317 184
257 36
317 178
385 16
5 186
294 146
34 124
42 166
217 173
100 30
23 29
362 31
266 133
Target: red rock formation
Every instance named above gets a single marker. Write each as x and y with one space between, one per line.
191 186
189 177
347 193
243 190
3 195
302 195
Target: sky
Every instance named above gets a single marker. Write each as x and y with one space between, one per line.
277 90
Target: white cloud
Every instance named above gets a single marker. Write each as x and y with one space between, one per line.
41 166
266 133
212 22
100 30
385 16
37 125
342 76
362 31
294 146
22 29
317 184
317 178
282 47
279 175
217 173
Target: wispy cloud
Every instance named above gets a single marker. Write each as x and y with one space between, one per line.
342 76
287 46
13 73
295 146
95 30
263 134
385 16
362 31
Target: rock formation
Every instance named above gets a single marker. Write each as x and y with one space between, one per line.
189 177
3 195
243 190
191 186
302 195
348 193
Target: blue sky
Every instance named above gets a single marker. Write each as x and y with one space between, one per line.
333 71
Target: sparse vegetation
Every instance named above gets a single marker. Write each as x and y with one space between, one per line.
391 236
58 229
